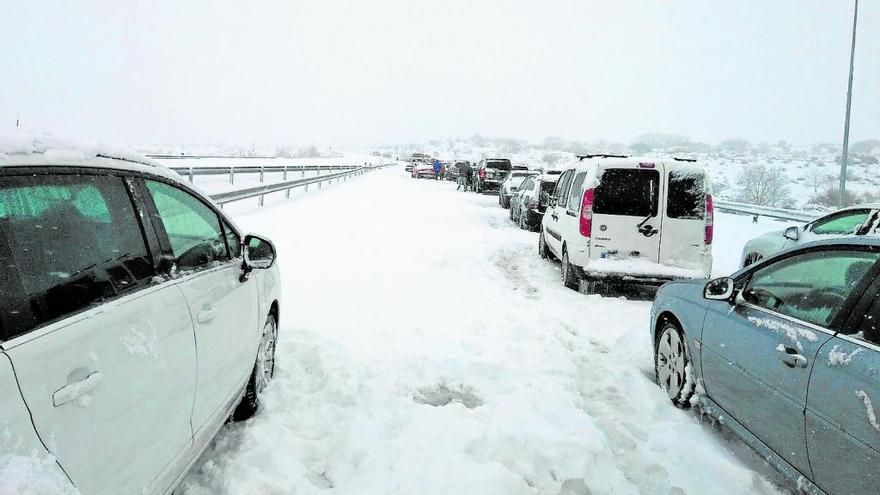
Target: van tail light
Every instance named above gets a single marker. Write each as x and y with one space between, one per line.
483 173
710 221
587 212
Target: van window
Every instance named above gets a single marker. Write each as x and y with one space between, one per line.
67 242
628 192
686 196
574 194
561 192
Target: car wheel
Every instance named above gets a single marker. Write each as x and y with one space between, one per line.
264 371
542 246
569 278
672 365
752 258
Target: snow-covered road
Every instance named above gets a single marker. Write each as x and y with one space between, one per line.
425 348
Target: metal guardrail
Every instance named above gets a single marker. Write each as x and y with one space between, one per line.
262 190
763 211
191 172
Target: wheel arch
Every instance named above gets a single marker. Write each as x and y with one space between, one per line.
665 316
275 312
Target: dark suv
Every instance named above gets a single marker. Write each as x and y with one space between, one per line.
491 172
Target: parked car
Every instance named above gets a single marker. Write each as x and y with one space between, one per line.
490 173
527 206
854 220
115 271
787 351
510 184
422 170
631 220
452 170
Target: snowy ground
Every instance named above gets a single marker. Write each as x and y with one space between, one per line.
426 348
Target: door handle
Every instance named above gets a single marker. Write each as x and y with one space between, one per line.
76 389
791 357
206 315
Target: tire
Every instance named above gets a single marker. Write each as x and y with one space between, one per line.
264 371
569 277
752 258
671 364
543 252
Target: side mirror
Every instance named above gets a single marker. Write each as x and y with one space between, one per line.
792 233
259 254
719 289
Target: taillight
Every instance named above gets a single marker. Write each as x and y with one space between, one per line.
587 212
710 221
483 173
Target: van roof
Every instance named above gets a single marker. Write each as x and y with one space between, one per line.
586 162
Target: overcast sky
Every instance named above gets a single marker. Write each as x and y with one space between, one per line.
358 73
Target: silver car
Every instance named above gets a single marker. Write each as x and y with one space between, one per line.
854 220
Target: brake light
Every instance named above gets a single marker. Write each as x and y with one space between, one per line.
710 221
587 212
482 173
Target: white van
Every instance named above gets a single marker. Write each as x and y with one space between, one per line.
633 220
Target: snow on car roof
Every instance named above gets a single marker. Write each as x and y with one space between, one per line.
30 150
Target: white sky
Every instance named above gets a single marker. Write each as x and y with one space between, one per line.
353 73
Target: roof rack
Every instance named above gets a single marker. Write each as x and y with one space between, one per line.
689 160
601 155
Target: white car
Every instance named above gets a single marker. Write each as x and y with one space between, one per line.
135 319
510 184
631 220
854 220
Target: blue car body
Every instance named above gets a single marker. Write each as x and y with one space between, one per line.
806 396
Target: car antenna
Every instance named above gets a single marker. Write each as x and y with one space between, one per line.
601 155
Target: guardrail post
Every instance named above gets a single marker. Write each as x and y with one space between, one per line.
232 175
261 180
190 175
261 199
307 188
303 171
285 178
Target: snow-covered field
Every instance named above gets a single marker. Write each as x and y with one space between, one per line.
426 348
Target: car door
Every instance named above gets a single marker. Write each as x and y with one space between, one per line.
554 221
103 350
626 212
843 433
757 355
683 236
223 306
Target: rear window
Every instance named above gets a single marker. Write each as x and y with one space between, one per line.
547 187
628 192
499 164
687 196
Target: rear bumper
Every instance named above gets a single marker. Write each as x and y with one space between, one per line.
490 185
625 278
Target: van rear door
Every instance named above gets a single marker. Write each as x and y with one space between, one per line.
684 219
626 216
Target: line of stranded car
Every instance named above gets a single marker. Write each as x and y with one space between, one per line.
785 352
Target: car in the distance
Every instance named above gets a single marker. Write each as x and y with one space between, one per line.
853 220
785 353
528 204
490 173
423 170
115 271
510 185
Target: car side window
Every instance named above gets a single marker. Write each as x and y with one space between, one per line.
67 243
193 229
561 191
233 241
574 195
841 223
811 286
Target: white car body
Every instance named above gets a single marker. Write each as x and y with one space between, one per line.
123 392
510 184
853 220
663 242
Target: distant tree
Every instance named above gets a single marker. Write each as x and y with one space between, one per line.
761 185
735 145
870 146
817 177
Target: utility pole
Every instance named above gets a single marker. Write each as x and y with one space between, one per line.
844 155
